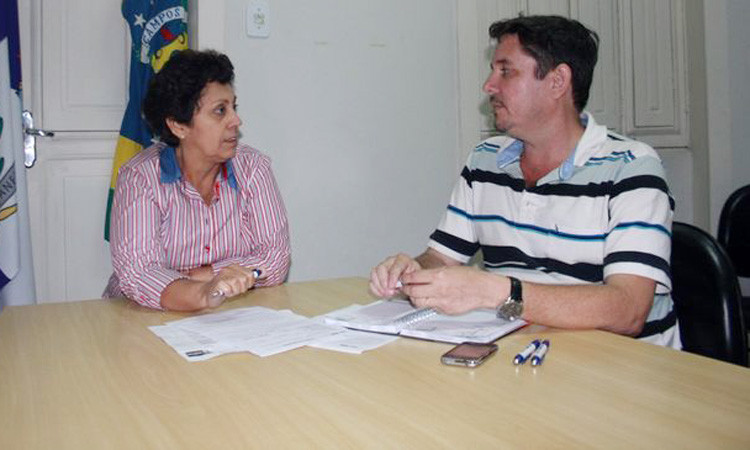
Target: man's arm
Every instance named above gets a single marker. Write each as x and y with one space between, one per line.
432 259
620 305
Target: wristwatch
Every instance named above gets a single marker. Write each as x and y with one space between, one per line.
512 307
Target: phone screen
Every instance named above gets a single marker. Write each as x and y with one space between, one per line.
469 354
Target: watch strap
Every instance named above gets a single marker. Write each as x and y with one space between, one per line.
516 289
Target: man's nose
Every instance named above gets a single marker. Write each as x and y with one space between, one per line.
489 87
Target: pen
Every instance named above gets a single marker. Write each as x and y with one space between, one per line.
525 353
538 356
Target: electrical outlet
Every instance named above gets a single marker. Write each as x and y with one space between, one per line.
258 19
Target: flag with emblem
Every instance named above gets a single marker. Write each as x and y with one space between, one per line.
157 28
16 272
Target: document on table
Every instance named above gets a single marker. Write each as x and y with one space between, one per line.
400 317
258 330
351 341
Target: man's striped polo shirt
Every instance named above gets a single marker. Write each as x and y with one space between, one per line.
606 210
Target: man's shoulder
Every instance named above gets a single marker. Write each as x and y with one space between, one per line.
614 147
617 142
485 154
600 142
494 144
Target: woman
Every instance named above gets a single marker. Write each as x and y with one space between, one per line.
196 217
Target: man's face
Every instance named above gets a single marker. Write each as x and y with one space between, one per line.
519 100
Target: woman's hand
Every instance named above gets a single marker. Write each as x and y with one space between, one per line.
202 273
228 282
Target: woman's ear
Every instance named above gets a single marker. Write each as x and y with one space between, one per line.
178 129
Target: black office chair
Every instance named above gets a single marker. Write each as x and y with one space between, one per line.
707 296
734 236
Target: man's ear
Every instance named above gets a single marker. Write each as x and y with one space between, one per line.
561 80
178 129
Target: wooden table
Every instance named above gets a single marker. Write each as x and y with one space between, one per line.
90 374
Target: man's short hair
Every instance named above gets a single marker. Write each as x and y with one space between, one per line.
551 41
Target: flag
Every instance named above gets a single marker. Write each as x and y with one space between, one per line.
157 28
16 268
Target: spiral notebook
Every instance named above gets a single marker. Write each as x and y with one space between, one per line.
400 317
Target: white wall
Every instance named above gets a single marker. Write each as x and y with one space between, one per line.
356 103
728 111
738 12
738 43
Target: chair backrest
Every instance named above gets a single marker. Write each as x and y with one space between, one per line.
734 230
707 296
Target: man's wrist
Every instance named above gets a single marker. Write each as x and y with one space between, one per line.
512 307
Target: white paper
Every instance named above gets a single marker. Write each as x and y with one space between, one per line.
356 342
258 330
189 345
400 317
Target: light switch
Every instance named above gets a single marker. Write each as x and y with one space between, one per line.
258 19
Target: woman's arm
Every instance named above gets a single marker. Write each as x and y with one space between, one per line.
137 256
267 223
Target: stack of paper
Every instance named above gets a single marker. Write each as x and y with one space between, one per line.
258 330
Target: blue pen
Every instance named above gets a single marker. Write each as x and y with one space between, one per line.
538 356
524 355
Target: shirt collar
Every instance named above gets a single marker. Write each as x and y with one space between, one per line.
513 151
171 173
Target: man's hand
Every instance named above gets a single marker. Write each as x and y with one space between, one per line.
455 289
385 276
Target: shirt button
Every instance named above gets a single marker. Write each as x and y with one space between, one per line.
208 248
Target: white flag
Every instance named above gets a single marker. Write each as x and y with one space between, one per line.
16 272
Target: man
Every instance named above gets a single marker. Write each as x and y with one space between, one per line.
573 221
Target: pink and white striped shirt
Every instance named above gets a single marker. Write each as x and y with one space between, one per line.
161 227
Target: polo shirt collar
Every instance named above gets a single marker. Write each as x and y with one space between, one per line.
592 136
170 170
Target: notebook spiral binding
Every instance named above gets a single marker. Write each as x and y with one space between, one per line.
416 316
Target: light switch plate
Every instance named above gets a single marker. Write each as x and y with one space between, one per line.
258 19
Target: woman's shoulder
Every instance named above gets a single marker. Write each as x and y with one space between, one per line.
147 157
145 162
249 159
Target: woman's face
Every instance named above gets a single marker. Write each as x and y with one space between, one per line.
215 128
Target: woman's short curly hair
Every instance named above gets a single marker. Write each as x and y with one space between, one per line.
175 90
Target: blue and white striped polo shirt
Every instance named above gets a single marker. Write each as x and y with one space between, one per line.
606 210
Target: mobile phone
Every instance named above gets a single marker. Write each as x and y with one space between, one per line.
468 354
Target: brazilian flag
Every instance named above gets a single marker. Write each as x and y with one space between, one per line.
157 28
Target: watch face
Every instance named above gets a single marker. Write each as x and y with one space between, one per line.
511 310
